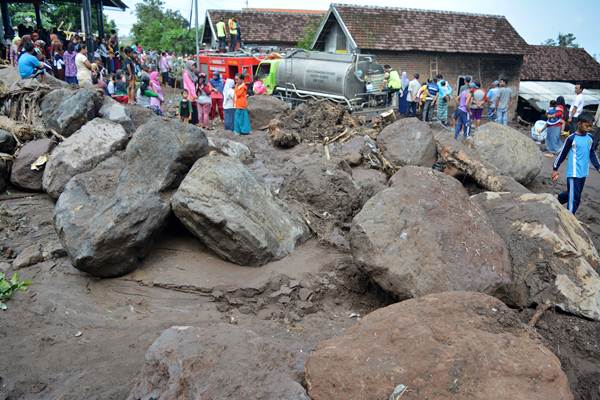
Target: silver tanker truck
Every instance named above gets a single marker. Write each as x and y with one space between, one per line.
347 78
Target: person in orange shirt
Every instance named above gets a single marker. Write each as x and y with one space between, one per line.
241 119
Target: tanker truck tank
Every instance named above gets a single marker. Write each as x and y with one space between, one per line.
340 77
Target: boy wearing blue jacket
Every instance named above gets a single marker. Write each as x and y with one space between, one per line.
579 149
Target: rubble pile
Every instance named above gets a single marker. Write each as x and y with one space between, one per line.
366 190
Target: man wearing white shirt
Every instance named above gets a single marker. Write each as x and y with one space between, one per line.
576 108
413 95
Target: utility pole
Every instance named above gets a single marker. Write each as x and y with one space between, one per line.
197 40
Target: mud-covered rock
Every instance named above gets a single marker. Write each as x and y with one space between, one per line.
455 345
554 260
263 109
370 182
139 115
408 141
513 153
22 175
81 152
221 361
230 148
66 111
107 218
116 112
7 142
236 216
424 235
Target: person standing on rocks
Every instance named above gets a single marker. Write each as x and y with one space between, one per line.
228 105
84 67
579 149
462 114
241 120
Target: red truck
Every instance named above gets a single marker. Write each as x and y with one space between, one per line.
229 64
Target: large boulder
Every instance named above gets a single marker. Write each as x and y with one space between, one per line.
118 113
370 182
221 361
139 115
81 152
408 141
108 217
263 109
553 257
230 148
512 152
424 235
7 142
23 175
457 345
66 111
236 216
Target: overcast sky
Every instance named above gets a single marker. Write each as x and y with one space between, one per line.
535 20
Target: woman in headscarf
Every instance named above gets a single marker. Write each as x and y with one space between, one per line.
228 105
443 100
241 119
145 94
560 104
204 89
189 83
403 103
217 96
155 102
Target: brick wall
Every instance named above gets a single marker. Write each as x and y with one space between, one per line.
484 68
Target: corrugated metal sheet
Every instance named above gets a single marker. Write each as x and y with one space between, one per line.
539 93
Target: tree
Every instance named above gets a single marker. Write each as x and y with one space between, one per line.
162 29
308 36
563 40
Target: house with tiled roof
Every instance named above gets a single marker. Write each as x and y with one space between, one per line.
264 27
427 42
561 64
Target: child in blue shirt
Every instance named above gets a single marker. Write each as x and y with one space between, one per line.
579 149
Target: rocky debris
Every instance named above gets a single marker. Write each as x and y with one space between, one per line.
9 78
323 191
281 137
408 141
219 362
139 115
553 257
263 109
7 142
4 173
370 182
81 152
423 235
237 217
230 148
118 113
507 149
441 346
31 255
107 218
455 154
66 111
23 174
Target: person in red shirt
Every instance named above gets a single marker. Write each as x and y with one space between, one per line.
241 119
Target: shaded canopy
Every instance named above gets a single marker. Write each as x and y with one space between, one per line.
105 3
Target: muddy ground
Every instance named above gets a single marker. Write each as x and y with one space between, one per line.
71 336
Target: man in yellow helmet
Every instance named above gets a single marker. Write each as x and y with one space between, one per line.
221 35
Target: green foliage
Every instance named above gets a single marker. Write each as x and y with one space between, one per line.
162 29
9 286
562 40
308 36
67 16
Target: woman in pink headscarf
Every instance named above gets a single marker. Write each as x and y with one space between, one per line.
155 102
189 83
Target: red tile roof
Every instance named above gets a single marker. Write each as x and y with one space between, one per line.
260 26
552 63
400 29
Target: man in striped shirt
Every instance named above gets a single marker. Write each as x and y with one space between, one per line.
579 150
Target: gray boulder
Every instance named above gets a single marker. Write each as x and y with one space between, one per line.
66 111
554 260
221 361
22 175
107 218
423 235
230 148
263 109
370 182
118 113
139 115
511 152
4 174
237 217
408 141
81 152
7 142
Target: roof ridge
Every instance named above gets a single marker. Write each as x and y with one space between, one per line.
418 9
263 11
